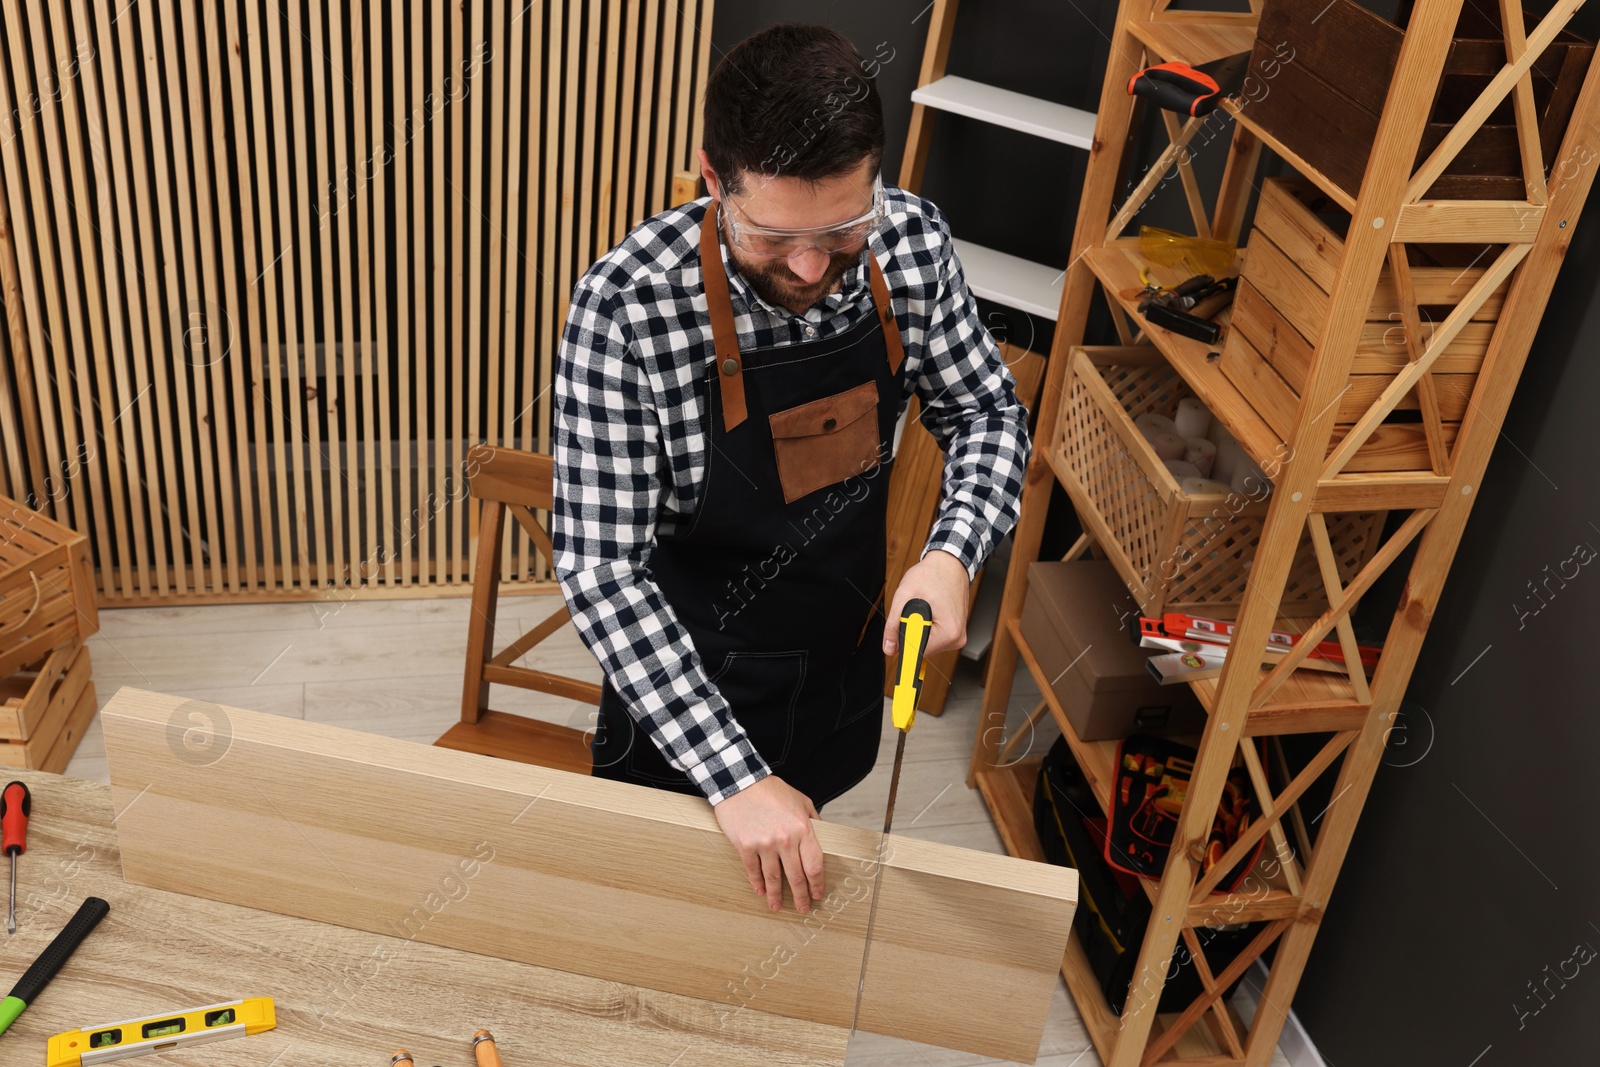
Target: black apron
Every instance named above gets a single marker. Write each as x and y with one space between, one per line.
779 575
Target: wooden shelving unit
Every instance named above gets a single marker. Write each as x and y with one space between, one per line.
1344 454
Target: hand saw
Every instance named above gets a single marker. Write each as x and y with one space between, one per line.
916 626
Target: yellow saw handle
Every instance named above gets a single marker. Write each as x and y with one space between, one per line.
916 624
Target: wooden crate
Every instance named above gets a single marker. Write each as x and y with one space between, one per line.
1282 300
44 710
1324 102
1175 551
46 586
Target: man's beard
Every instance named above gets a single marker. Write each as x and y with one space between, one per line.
779 285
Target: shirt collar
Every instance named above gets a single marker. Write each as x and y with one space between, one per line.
852 285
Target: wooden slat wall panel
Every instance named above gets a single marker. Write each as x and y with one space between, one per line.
271 269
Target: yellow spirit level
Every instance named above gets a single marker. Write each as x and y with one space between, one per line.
158 1033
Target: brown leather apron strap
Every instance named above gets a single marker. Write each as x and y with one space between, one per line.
724 338
891 329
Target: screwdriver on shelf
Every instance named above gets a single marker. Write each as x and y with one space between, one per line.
15 805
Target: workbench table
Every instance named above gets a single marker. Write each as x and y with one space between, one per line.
344 997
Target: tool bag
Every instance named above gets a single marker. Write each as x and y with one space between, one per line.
1113 910
1152 779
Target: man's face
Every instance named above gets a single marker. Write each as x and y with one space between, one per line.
810 274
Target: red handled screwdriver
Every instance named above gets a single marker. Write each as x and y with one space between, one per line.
15 805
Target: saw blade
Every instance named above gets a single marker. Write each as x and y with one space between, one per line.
877 877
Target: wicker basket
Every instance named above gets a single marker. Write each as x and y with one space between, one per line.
1176 552
46 587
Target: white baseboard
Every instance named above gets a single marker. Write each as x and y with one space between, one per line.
1294 1041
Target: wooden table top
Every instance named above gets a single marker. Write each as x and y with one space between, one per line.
343 997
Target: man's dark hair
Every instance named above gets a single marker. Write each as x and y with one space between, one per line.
792 101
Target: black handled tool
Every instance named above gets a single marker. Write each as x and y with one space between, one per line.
51 960
1190 90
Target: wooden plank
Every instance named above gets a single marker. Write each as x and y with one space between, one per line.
1197 37
1487 221
1467 125
340 994
279 539
340 331
1527 115
643 176
517 556
1403 382
1278 277
965 944
381 497
434 532
1397 491
627 120
34 264
288 106
194 186
1353 666
935 58
664 162
228 375
682 148
1258 382
406 83
60 754
553 299
1425 396
458 547
21 351
1238 182
111 365
247 391
74 343
534 328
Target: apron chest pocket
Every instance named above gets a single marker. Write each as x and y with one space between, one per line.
826 441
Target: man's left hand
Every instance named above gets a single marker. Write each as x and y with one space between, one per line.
940 579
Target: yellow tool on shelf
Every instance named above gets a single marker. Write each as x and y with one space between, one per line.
158 1033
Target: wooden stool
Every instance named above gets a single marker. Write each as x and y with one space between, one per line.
507 479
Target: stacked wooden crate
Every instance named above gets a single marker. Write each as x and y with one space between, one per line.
47 612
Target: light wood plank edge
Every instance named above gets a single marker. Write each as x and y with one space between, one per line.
1000 895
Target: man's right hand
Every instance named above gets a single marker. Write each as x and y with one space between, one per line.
770 824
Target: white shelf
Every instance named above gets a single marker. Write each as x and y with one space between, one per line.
1015 111
1011 280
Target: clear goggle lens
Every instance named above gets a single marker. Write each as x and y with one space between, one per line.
773 243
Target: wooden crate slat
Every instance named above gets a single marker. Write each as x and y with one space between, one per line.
51 719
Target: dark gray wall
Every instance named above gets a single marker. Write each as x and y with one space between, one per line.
1475 870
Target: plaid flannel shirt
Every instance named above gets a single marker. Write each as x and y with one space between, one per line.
631 443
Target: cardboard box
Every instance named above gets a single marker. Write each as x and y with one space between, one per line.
1076 622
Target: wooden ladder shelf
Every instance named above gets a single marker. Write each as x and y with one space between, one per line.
1324 437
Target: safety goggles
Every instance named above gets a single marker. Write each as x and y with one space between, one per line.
768 242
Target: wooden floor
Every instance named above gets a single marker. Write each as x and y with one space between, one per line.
395 668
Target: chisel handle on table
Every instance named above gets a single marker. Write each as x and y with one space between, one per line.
916 627
52 959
